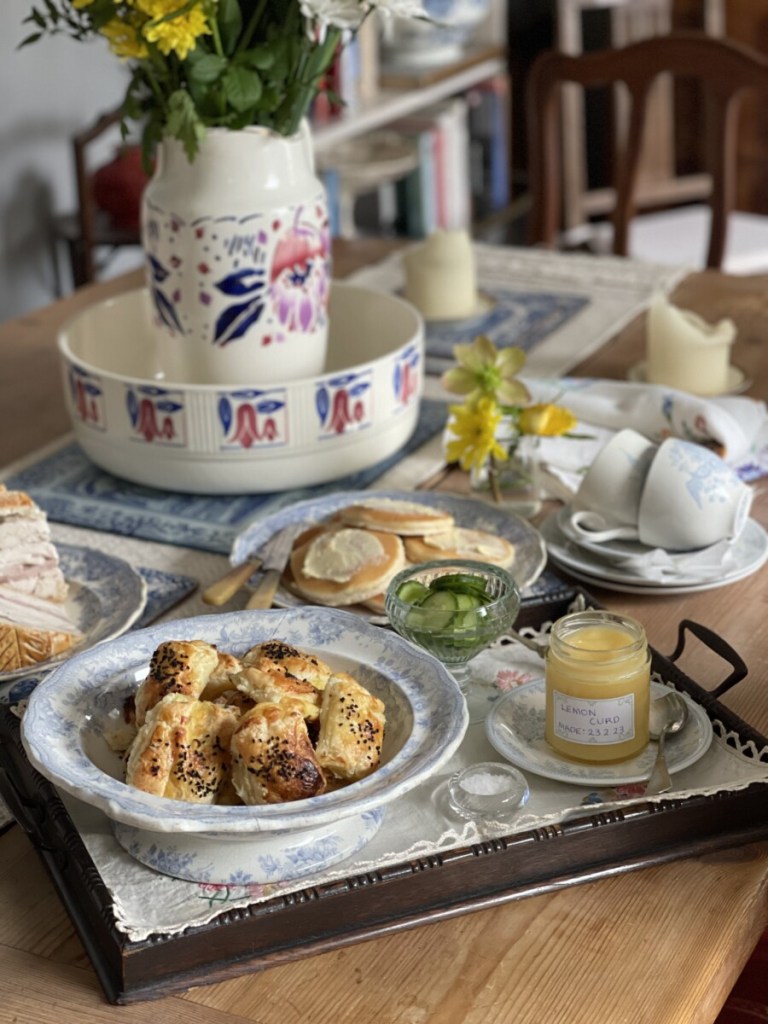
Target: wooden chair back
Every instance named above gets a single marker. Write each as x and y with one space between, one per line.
727 70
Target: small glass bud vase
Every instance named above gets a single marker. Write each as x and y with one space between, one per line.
514 483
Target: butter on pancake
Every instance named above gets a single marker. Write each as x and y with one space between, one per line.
461 542
392 515
344 565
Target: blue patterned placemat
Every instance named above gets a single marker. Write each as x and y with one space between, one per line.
521 318
73 490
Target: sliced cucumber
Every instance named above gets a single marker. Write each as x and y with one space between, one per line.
436 611
413 592
460 583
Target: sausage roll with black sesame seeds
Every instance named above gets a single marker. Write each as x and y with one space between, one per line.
182 749
220 678
273 759
351 729
177 666
275 687
275 656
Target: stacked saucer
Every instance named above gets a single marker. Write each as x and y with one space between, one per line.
668 518
632 567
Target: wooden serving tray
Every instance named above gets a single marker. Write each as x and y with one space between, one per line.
316 919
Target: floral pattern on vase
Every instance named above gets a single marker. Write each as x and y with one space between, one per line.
238 259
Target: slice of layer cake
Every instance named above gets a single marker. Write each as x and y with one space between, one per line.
34 624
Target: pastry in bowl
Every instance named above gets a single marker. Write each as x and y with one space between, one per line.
252 744
70 713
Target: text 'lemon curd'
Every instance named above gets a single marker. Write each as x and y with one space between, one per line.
598 670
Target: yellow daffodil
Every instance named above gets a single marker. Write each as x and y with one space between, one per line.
473 427
485 370
546 420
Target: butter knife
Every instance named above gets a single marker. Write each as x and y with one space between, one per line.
221 590
274 558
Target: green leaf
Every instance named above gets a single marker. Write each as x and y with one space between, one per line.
183 122
31 39
230 22
242 88
205 68
259 58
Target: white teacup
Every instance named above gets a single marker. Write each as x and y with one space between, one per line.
691 499
614 482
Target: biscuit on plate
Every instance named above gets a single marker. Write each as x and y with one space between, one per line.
343 565
391 515
461 542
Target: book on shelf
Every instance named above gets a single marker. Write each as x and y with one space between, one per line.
436 194
489 146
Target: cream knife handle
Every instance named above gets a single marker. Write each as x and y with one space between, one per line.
264 594
221 590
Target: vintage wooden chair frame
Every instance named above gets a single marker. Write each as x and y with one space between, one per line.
726 69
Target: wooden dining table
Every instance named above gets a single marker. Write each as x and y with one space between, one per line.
663 944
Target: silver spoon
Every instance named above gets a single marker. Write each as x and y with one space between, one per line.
668 715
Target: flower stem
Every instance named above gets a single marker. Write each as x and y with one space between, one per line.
493 479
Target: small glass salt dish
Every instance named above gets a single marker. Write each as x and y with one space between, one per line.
490 792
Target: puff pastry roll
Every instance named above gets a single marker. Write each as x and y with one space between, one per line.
272 756
220 679
351 729
177 666
182 749
277 657
273 688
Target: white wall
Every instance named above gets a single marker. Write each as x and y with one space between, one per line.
48 92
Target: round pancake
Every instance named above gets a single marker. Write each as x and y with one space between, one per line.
407 518
362 562
461 542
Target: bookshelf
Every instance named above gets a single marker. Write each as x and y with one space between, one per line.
434 111
391 103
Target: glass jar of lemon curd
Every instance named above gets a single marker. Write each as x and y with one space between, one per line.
598 684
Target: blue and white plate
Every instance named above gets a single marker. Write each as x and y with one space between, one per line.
106 596
515 729
530 551
76 711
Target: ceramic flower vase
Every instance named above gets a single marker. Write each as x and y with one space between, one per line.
237 249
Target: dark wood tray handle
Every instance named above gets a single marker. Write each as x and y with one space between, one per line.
720 647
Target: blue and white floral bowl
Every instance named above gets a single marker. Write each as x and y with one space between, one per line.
73 710
133 419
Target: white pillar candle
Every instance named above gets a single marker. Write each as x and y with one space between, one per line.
440 276
684 351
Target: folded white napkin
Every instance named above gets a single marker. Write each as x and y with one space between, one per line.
737 425
666 567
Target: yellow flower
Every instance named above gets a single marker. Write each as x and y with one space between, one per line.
180 32
546 420
124 40
484 370
474 434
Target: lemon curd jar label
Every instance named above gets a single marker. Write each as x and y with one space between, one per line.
597 687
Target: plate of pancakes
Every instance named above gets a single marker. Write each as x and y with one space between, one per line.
354 542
